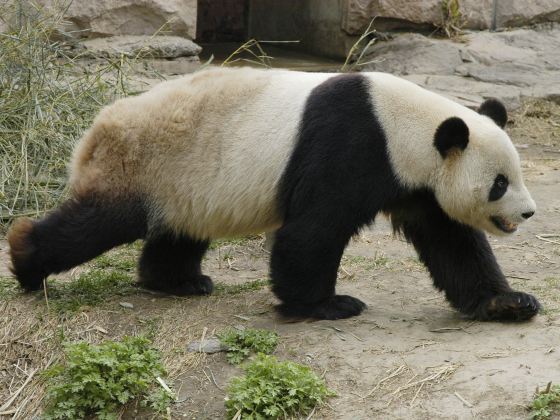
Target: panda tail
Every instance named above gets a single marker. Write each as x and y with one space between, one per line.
76 232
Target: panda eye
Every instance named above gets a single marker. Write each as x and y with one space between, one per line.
499 188
501 181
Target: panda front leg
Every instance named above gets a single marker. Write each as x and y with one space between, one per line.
170 263
462 265
304 265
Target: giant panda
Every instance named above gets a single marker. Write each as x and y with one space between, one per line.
311 156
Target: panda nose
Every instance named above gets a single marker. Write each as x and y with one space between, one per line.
528 214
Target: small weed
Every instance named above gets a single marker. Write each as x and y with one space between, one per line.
99 379
89 289
452 21
242 343
159 400
546 402
272 389
221 289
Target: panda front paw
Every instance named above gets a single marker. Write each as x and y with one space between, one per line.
199 285
510 306
335 307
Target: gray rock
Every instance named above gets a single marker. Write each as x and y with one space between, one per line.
513 13
94 18
414 53
146 46
209 345
477 14
468 92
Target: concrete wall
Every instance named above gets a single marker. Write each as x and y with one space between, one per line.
315 23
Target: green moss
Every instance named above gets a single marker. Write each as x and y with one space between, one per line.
89 289
223 289
375 263
8 287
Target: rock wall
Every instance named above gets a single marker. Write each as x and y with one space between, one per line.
478 14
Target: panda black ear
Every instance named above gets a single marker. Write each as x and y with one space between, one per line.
451 134
494 109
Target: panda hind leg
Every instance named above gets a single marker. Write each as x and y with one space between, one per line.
170 264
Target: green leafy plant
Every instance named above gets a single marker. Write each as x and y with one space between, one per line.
271 389
99 379
546 402
241 343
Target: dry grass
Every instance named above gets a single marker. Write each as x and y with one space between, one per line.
356 54
47 100
537 122
31 342
250 52
32 333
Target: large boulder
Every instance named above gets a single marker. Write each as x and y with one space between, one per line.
508 64
95 18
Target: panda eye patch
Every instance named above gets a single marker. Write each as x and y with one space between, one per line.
499 188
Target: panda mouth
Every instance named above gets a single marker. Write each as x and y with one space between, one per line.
503 224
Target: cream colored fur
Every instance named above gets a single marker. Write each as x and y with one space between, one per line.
208 149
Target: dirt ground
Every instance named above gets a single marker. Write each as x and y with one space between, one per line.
409 356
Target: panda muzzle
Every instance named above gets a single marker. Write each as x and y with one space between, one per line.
503 224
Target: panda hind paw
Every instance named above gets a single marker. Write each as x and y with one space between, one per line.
335 307
510 306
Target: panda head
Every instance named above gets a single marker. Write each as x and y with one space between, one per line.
479 181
